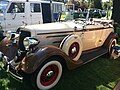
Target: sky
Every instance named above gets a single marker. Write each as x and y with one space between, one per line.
105 0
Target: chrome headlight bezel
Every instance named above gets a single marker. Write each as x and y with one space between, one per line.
8 34
30 42
12 35
0 28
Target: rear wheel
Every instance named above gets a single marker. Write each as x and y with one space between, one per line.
48 75
111 45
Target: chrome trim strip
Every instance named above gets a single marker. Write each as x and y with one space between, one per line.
18 78
57 36
54 32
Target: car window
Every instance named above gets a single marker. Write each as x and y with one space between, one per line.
65 16
3 6
16 8
35 8
79 15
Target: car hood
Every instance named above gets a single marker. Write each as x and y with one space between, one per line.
53 27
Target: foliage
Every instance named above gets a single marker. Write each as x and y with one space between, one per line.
116 11
97 4
107 5
118 30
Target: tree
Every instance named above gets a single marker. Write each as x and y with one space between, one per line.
116 13
97 4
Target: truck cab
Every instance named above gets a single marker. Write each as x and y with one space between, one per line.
15 13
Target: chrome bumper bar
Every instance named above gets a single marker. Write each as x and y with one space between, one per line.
6 66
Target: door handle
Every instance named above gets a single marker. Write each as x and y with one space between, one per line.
14 16
22 16
82 33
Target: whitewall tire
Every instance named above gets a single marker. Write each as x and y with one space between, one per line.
113 43
111 51
49 75
72 46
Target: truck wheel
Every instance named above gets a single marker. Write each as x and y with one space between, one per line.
48 75
113 43
72 47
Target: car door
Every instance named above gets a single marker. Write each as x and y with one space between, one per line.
92 37
15 16
46 12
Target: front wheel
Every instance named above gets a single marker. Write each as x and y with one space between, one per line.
48 75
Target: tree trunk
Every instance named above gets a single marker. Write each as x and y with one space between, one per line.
116 13
97 4
116 10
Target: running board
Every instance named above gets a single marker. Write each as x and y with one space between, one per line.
93 54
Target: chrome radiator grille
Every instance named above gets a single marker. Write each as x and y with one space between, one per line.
23 34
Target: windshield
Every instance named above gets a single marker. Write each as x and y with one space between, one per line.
3 6
65 16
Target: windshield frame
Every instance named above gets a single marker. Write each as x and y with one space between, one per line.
3 5
72 15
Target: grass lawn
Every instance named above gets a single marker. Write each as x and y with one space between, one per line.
100 74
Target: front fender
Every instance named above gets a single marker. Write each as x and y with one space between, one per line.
8 48
33 60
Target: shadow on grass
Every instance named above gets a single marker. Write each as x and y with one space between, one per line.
100 74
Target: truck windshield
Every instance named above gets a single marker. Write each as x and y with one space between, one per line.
3 6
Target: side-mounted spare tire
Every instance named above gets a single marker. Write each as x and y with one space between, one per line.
72 46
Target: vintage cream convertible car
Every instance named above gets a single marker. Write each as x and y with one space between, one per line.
39 53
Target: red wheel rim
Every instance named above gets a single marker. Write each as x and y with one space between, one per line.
113 44
49 75
73 50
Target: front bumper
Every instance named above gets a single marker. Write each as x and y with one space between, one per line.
9 68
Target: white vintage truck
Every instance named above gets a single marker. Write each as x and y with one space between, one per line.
15 13
39 53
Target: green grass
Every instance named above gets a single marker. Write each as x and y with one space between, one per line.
100 74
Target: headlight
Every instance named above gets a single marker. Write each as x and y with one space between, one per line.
8 34
26 42
30 42
11 35
0 27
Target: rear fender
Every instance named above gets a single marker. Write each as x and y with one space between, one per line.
112 35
